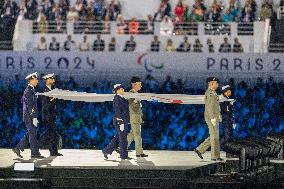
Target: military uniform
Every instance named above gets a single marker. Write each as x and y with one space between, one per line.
50 136
120 122
30 113
135 122
212 111
228 119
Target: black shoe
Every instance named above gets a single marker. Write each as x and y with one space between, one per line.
128 158
198 153
142 155
37 156
105 156
56 154
17 152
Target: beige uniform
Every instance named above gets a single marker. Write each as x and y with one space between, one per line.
212 111
135 111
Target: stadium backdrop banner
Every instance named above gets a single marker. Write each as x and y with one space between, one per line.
86 67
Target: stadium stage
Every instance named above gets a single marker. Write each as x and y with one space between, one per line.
162 169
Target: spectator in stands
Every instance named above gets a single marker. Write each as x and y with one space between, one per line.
90 15
166 26
121 25
42 46
184 46
228 17
198 10
130 45
54 45
41 22
225 47
9 11
234 7
56 11
133 27
84 45
211 48
100 9
114 9
78 6
73 15
266 11
180 11
237 47
165 9
150 25
47 8
31 9
69 44
99 44
155 44
216 6
213 15
197 46
170 46
249 11
112 45
64 8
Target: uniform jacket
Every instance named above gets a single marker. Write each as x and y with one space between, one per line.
29 101
226 109
121 109
48 107
212 107
135 110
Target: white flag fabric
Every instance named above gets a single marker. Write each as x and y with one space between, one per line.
93 97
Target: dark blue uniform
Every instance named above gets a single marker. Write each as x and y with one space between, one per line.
121 116
30 111
50 138
227 118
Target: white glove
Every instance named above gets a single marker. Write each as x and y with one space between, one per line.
232 102
214 121
234 125
121 127
35 122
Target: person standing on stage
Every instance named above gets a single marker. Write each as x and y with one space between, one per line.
135 109
51 136
213 118
228 120
30 114
120 122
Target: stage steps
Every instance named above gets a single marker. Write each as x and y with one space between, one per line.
217 175
57 178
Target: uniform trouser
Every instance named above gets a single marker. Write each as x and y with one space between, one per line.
135 134
50 137
29 138
120 139
228 130
212 141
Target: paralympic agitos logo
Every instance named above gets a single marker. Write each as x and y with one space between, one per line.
149 66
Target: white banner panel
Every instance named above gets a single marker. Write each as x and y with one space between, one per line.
86 67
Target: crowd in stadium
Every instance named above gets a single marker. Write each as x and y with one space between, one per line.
99 45
258 111
105 10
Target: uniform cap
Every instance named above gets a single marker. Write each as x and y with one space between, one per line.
31 76
47 76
